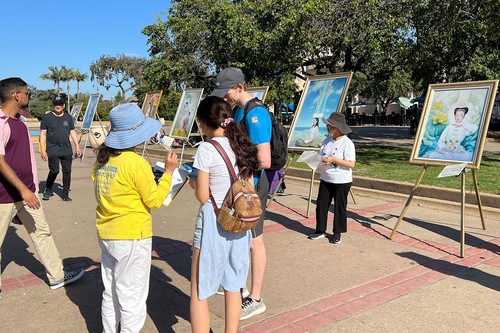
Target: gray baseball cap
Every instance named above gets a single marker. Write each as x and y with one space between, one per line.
226 79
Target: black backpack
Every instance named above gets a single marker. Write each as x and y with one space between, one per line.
279 137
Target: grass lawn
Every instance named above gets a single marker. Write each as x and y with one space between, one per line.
391 163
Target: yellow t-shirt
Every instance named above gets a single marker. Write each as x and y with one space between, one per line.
125 192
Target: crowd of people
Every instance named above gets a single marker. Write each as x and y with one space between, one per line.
220 259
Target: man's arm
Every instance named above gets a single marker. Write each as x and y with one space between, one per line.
43 144
264 152
75 140
28 196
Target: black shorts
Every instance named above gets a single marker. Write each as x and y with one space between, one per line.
262 188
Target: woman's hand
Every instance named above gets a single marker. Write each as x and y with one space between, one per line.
171 162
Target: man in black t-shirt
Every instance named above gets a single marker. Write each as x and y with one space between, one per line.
56 128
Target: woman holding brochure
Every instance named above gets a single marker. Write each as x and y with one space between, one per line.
338 153
125 192
220 258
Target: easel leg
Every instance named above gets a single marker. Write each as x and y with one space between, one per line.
462 216
310 193
352 196
408 202
478 197
182 152
85 146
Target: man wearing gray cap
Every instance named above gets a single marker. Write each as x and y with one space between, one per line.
56 128
231 86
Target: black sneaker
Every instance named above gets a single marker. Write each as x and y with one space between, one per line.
68 199
47 194
335 239
69 277
316 235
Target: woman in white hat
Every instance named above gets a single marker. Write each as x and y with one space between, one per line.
126 191
335 182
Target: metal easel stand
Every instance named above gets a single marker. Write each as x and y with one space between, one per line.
462 206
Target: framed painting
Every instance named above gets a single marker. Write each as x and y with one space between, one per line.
151 103
259 92
90 111
75 111
454 123
322 96
186 113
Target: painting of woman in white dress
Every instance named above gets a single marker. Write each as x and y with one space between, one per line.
454 123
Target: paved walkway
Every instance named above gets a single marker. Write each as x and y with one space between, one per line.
368 283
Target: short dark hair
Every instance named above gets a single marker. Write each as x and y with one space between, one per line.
464 109
9 86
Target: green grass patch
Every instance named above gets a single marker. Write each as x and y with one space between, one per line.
391 163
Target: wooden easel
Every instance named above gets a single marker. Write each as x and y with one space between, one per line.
462 209
291 157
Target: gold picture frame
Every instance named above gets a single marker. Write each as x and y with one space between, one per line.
454 123
151 103
186 113
259 92
322 96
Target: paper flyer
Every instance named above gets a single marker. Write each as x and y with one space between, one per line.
179 177
452 170
314 160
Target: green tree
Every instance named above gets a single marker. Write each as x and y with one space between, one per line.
455 40
40 102
79 77
122 71
55 75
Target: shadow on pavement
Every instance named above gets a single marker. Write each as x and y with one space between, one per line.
289 223
462 272
86 293
454 233
15 249
166 302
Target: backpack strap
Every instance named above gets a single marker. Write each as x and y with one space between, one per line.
230 168
248 107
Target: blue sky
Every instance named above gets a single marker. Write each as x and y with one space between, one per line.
39 34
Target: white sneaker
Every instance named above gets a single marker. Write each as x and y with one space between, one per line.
251 307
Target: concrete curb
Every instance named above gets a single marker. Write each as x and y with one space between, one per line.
443 194
420 201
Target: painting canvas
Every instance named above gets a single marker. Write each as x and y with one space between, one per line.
454 123
259 92
186 112
90 111
75 111
322 96
151 103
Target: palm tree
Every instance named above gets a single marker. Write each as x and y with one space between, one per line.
79 77
67 74
54 75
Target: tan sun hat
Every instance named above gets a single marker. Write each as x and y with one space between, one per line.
337 120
